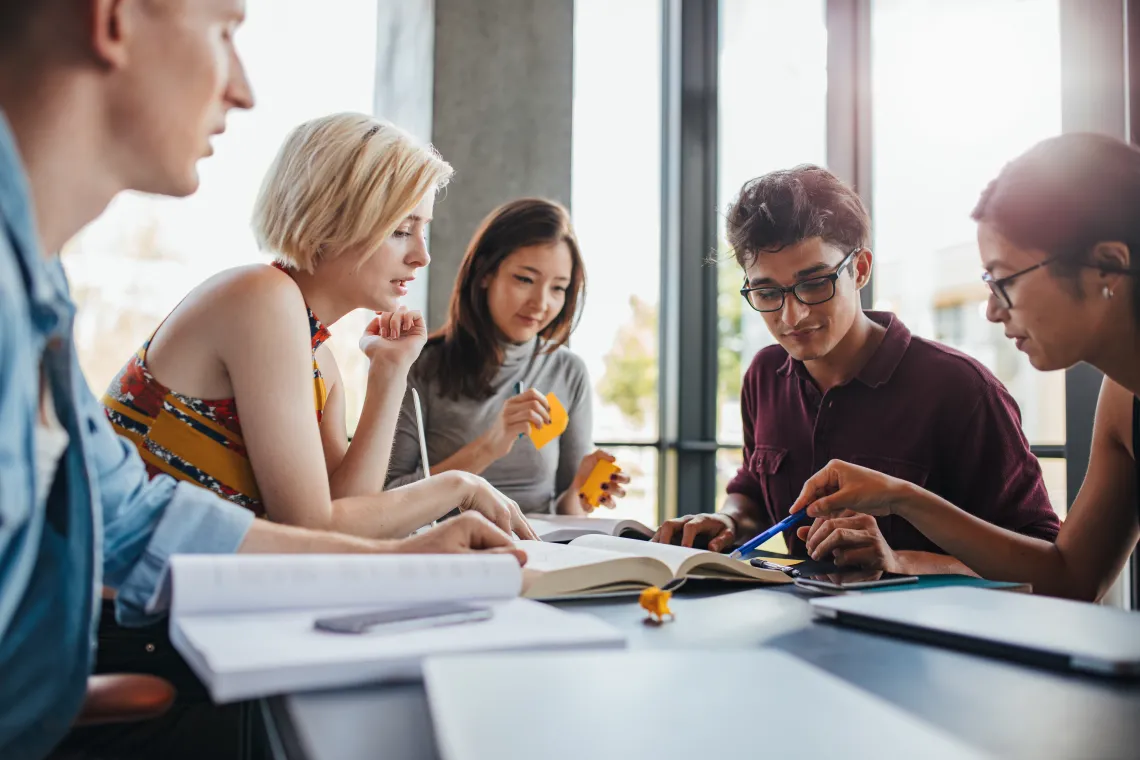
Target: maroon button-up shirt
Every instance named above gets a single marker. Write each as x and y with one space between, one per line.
918 410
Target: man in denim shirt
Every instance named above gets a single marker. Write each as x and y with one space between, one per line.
96 98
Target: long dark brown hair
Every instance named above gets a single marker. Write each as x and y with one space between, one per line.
471 347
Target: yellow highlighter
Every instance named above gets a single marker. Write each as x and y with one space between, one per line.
559 421
592 490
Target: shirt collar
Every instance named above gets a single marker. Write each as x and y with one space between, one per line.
46 291
883 362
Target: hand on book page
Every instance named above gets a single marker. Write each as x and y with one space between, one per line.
467 532
482 497
717 531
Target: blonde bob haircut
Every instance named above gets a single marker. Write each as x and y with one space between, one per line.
342 184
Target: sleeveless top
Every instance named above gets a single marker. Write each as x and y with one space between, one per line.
193 439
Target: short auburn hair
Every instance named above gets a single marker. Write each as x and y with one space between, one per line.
784 208
342 183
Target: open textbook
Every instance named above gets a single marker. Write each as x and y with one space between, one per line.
245 623
569 527
595 564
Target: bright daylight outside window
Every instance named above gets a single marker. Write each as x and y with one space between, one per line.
616 208
773 115
131 266
949 109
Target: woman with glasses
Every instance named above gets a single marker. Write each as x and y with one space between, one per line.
484 377
1057 230
853 384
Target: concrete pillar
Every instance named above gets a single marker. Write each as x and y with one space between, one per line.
499 81
405 50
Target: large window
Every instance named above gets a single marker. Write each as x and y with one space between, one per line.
773 115
947 116
666 115
918 122
616 202
139 259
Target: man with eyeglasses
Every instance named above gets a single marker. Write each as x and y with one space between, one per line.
844 383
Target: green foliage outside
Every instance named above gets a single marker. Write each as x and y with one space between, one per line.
630 378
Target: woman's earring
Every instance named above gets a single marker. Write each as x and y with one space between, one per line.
1106 293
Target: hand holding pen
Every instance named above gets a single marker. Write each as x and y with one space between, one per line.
787 523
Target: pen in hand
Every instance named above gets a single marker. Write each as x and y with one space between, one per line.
518 392
788 522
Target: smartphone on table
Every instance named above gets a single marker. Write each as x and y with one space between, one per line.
403 619
836 584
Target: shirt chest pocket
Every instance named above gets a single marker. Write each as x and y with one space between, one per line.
770 467
896 468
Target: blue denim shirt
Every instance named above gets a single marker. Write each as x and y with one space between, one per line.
104 522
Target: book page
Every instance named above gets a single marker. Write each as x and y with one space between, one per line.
211 583
572 526
685 561
543 556
673 556
554 570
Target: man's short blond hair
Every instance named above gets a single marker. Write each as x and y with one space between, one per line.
342 183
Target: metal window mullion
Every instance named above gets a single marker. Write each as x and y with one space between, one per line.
668 314
849 126
695 143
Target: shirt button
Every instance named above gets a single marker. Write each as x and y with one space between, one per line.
150 648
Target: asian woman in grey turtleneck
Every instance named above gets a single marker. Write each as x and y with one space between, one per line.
514 305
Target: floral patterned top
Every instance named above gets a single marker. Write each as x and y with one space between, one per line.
193 439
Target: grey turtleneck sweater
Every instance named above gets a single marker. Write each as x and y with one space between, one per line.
533 478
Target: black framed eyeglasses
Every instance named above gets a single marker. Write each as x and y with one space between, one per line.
998 284
810 292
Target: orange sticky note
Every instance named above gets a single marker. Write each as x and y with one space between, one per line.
559 421
592 488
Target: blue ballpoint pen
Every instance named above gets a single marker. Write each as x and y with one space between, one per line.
518 391
788 522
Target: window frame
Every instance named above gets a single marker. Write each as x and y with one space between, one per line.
1097 94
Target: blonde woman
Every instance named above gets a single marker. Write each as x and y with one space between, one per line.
236 391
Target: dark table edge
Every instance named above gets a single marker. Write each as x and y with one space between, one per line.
280 733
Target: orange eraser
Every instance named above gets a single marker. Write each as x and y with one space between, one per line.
655 601
592 488
559 421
